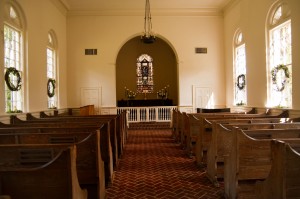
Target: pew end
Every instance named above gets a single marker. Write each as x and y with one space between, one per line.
284 178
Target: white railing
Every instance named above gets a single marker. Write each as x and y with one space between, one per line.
148 114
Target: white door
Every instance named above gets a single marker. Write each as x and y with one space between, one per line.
91 96
202 97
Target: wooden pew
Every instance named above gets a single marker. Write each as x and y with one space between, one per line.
121 117
254 126
87 110
192 131
39 171
185 130
187 136
90 166
222 140
179 128
119 126
174 123
64 127
83 121
185 127
283 180
205 135
249 160
250 114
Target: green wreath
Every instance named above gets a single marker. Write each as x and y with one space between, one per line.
241 81
51 87
274 72
11 71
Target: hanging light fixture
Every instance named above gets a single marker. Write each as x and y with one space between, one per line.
148 36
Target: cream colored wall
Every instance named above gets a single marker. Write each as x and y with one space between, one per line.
2 100
295 8
109 33
41 16
250 17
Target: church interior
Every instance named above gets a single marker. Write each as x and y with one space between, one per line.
149 62
113 29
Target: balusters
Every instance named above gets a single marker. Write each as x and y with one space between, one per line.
148 114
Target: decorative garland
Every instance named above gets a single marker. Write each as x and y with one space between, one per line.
274 72
241 81
51 87
14 72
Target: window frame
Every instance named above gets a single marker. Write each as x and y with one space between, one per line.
238 44
285 95
52 101
15 23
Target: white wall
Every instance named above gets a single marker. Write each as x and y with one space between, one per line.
40 16
109 33
250 16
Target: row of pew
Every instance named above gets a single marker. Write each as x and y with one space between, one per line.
255 155
60 156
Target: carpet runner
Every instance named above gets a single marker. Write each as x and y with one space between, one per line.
153 166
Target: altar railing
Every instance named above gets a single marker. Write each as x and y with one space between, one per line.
148 114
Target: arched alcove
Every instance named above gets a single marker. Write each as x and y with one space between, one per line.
165 71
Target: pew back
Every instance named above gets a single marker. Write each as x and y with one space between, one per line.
24 174
248 161
92 151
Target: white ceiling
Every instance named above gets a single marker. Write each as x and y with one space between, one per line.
139 5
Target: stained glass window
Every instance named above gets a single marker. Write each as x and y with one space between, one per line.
144 73
240 89
280 59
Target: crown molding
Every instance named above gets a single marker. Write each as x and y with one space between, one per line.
62 6
154 12
230 5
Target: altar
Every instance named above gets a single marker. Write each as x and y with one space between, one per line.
145 102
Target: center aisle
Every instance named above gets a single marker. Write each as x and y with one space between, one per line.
153 166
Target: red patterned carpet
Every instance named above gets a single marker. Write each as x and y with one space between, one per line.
154 166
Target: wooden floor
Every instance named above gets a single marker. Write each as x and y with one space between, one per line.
154 166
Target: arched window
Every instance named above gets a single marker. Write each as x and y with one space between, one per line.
51 70
239 73
13 58
279 59
144 73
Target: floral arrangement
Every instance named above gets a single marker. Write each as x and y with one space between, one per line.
241 103
129 94
10 74
51 87
163 93
274 72
241 81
